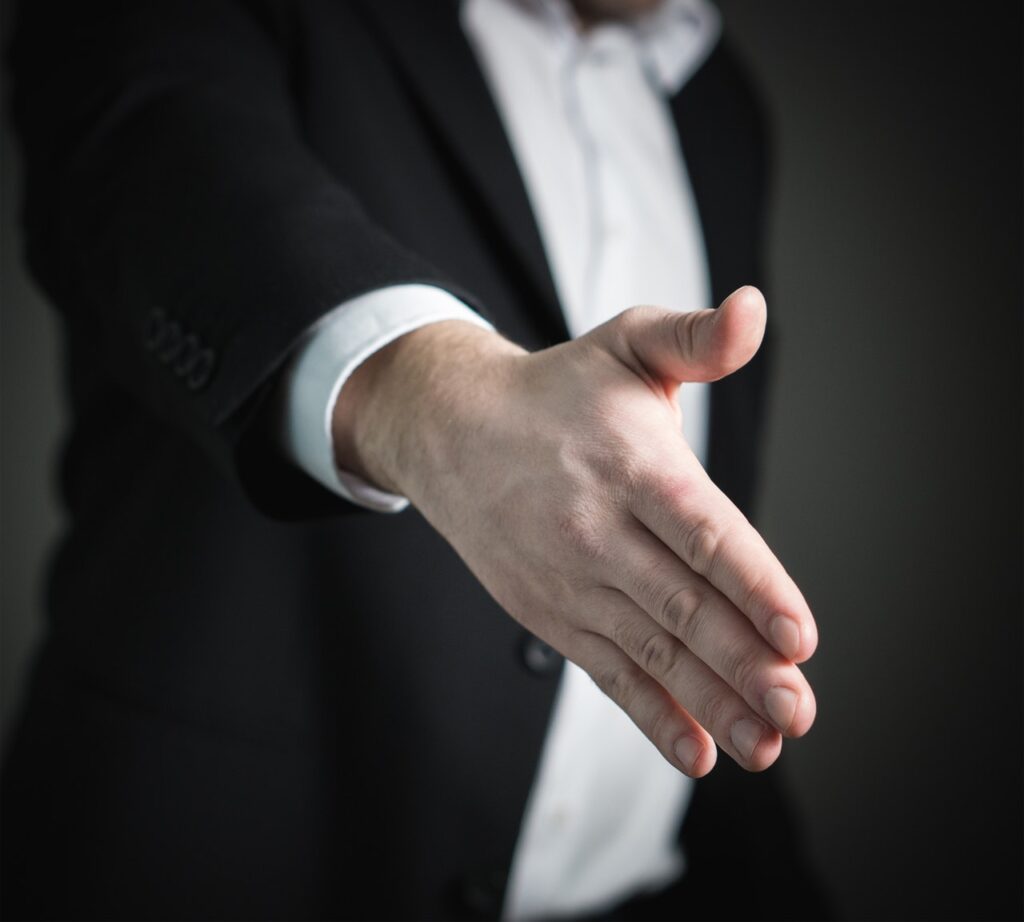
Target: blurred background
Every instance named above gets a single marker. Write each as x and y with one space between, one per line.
893 483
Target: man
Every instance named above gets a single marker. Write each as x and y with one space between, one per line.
275 231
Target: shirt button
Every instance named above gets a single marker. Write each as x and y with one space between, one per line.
538 657
559 818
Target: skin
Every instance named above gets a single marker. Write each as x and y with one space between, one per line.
563 480
590 12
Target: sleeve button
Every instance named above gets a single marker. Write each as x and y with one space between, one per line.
156 325
170 343
201 371
187 356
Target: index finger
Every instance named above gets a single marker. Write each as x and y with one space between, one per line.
707 532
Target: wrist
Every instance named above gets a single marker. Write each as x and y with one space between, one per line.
400 415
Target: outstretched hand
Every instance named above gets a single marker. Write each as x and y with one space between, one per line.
563 480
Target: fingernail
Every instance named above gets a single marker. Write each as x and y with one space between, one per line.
688 751
745 735
785 633
780 703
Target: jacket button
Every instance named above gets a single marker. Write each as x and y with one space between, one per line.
482 893
201 371
187 355
155 327
538 657
170 342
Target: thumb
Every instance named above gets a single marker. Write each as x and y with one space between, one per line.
696 346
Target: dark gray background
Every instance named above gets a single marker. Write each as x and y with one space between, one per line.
893 482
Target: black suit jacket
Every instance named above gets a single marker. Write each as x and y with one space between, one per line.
253 699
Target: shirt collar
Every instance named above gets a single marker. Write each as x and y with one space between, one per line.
674 39
677 38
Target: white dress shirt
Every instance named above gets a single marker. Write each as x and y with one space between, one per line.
588 122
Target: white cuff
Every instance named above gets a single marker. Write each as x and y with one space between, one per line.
333 349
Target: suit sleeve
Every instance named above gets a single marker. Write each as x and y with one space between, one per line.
175 215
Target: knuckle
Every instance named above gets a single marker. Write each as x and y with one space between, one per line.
581 535
629 327
754 594
620 631
685 330
657 653
632 317
627 319
663 728
710 709
674 490
680 611
649 588
620 684
741 669
622 469
702 542
633 474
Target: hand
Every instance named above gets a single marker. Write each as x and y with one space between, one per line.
563 480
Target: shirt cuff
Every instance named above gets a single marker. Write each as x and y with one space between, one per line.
328 355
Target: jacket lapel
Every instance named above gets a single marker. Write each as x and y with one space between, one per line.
432 52
723 136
